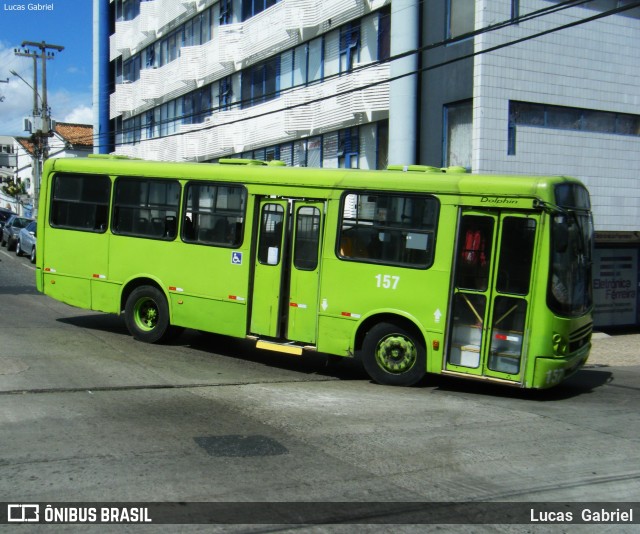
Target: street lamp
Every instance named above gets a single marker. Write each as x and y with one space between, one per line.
36 95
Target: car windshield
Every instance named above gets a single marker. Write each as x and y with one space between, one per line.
20 222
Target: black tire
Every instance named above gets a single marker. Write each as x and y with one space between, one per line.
10 243
393 356
32 256
18 248
147 314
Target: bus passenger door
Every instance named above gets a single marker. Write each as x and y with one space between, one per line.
305 272
268 268
491 294
286 270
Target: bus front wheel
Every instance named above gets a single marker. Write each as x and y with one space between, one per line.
147 314
393 356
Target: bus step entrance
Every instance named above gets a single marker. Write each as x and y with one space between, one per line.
285 348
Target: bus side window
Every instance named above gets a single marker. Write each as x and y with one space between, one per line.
80 202
147 203
214 214
392 229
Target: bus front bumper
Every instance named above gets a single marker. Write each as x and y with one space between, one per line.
550 372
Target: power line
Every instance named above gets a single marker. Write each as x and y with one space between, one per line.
446 42
268 96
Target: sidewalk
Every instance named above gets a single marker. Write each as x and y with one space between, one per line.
618 349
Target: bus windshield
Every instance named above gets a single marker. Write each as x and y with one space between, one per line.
572 243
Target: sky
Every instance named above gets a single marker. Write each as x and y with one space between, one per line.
69 75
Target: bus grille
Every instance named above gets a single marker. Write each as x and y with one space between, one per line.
579 338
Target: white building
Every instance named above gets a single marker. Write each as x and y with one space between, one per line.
202 80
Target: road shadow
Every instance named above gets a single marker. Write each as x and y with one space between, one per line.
102 322
310 362
209 345
583 382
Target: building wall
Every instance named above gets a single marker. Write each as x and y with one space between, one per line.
440 85
237 50
593 66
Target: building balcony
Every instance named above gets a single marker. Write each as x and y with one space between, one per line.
155 16
165 82
348 100
127 98
337 103
133 35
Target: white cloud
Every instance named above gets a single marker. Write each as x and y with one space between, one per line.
65 105
80 115
18 96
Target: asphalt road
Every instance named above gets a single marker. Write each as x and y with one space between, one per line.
87 414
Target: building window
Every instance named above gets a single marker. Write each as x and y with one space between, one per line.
349 46
251 8
225 93
196 106
515 10
348 148
132 129
127 9
307 62
567 118
382 145
226 12
461 16
458 121
384 34
607 5
131 69
260 83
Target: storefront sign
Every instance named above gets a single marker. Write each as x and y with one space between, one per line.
615 286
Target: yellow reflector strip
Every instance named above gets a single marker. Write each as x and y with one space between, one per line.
287 349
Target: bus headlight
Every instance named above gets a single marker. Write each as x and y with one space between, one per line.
560 345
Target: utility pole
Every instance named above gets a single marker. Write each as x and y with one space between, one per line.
3 81
41 128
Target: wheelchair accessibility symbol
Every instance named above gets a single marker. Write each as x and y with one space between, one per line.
236 258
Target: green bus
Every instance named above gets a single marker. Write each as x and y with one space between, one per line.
413 270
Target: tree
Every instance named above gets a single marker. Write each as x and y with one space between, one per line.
13 189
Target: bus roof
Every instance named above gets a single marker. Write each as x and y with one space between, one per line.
409 179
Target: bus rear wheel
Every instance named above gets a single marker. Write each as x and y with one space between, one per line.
147 314
393 356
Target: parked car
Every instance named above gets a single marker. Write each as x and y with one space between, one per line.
4 216
26 243
11 229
